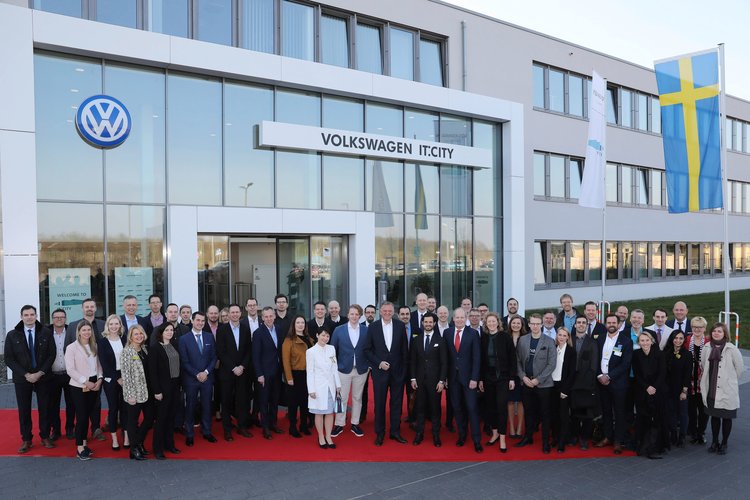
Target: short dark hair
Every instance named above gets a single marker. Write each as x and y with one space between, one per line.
280 296
159 332
234 304
249 299
590 303
27 307
404 307
152 296
199 313
60 310
88 299
368 306
128 297
611 314
660 309
320 303
430 315
483 304
173 304
511 298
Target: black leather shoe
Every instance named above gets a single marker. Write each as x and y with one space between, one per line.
398 438
116 448
189 441
277 430
159 456
210 438
267 434
245 433
460 441
478 447
524 442
305 431
174 451
418 438
722 450
545 448
450 428
135 454
143 450
379 440
436 441
228 436
294 433
54 436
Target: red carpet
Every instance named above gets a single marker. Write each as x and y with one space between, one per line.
286 448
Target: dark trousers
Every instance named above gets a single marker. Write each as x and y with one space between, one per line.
193 389
217 399
697 418
537 406
678 416
268 401
298 399
496 404
166 409
116 413
365 398
581 428
613 412
59 384
647 431
427 403
179 413
560 416
137 431
234 400
448 408
383 383
410 400
24 392
84 403
465 409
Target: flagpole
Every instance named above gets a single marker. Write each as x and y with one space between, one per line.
724 178
604 221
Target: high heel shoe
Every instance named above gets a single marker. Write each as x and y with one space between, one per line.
116 448
493 441
323 445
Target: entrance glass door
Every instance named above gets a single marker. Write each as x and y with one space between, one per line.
293 266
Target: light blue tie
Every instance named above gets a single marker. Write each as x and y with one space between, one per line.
198 338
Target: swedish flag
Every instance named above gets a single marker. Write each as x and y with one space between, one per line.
689 98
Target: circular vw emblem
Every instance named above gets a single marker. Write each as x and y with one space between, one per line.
103 121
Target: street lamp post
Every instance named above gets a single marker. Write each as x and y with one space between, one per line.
246 187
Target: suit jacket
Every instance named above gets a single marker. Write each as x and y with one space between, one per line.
504 321
283 325
347 354
414 321
335 324
666 331
107 356
545 359
505 357
568 370
158 369
685 327
376 351
229 355
560 318
598 330
587 364
18 354
192 360
464 365
430 366
411 334
146 324
98 326
619 365
313 329
649 370
266 355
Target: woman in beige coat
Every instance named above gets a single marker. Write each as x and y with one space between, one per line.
323 385
722 367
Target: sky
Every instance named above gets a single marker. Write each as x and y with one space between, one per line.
640 31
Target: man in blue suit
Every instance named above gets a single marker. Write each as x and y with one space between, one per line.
463 376
267 362
197 361
349 340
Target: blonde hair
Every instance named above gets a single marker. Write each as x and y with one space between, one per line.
136 328
570 340
110 318
92 341
699 321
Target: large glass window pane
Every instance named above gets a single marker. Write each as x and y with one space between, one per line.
64 7
626 106
71 253
728 133
557 261
343 183
422 255
425 126
430 62
135 254
258 25
575 95
422 186
557 176
120 12
539 174
328 268
556 90
488 256
611 174
292 269
384 186
297 30
642 112
707 254
135 170
384 120
626 181
301 180
455 190
695 259
746 197
656 260
670 259
718 258
626 248
213 270
655 115
456 261
302 108
737 195
369 49
612 105
540 262
334 41
642 261
644 177
67 168
248 171
735 252
611 261
343 114
402 53
194 140
595 261
577 261
746 258
745 139
389 257
576 173
455 130
214 21
656 187
487 182
538 76
169 17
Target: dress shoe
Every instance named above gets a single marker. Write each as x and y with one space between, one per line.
714 447
25 446
357 431
493 441
210 438
47 443
331 446
450 428
160 456
305 431
436 441
503 450
561 449
277 430
654 456
295 433
228 436
98 435
701 440
524 442
336 431
70 434
418 438
54 436
116 448
267 434
126 446
89 451
584 445
245 433
722 449
135 454
546 448
601 444
478 447
174 451
618 449
143 450
398 438
189 441
179 430
379 440
83 455
460 441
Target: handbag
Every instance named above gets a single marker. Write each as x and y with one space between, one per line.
339 405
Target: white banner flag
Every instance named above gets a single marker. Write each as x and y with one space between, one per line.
592 186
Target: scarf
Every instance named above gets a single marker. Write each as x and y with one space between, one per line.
713 367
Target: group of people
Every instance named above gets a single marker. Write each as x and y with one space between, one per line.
561 372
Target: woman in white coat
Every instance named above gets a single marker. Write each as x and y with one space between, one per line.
323 385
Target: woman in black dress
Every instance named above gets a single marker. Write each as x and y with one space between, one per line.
648 394
679 363
498 370
164 374
563 377
516 329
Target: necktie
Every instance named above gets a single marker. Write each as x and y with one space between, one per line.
589 328
457 340
679 326
31 349
426 342
658 335
200 343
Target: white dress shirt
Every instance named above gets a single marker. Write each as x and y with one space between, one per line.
557 372
388 334
354 339
609 346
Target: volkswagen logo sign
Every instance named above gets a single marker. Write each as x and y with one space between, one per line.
103 121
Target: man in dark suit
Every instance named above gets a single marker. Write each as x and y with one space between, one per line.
416 316
197 361
369 319
680 321
387 352
429 369
318 322
595 328
615 354
334 318
266 349
130 318
234 350
512 307
29 353
283 319
404 315
463 376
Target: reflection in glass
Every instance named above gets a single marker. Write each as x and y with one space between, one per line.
556 176
455 130
695 259
455 260
213 270
539 174
169 17
656 187
248 171
70 236
194 140
297 28
655 115
642 112
718 258
293 274
595 261
430 62
682 260
57 142
328 269
612 105
120 12
735 252
575 95
455 190
422 255
576 173
369 49
611 261
384 120
421 125
302 108
556 91
611 174
422 187
488 254
64 7
626 106
214 21
642 261
540 262
707 265
626 176
301 174
656 260
389 258
334 41
384 187
343 114
135 170
669 259
402 54
258 25
487 182
577 261
557 261
644 176
343 182
626 248
538 76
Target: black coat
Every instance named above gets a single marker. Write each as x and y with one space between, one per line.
18 355
679 370
505 358
430 366
107 356
229 355
568 371
585 392
157 365
649 371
